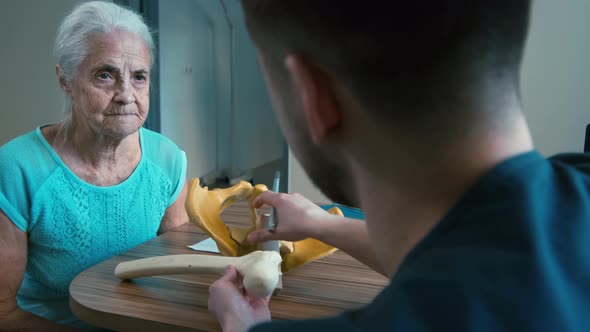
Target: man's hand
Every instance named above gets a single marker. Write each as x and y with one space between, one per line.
235 310
297 218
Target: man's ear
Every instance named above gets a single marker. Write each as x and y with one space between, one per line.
61 80
318 100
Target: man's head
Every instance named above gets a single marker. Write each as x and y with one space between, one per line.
411 66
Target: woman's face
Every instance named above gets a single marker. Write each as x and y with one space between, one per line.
110 93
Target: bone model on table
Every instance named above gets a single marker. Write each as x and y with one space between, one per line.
261 269
204 208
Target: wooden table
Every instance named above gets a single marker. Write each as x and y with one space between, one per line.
179 303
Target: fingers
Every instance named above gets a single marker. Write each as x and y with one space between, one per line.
261 235
268 197
230 274
258 301
223 290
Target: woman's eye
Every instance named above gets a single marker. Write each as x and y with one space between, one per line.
104 76
140 77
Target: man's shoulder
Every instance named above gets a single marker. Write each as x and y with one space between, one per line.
336 323
524 195
513 247
577 161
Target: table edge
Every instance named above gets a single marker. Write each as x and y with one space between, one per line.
116 322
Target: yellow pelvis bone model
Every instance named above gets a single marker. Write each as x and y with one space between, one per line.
204 208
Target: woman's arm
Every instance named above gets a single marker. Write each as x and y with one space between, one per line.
175 214
13 259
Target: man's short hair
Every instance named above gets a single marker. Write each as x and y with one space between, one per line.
396 52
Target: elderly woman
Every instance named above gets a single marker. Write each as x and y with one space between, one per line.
75 193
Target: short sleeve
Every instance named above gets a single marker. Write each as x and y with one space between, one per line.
25 165
12 212
15 201
179 176
170 161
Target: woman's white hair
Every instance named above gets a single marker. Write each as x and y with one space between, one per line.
86 20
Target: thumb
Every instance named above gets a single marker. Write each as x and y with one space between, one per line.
260 235
230 274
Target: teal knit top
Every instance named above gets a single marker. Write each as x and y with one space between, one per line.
72 225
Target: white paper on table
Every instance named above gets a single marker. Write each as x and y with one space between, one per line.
207 245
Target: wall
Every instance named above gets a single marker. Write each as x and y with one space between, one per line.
257 135
222 126
189 96
29 91
556 75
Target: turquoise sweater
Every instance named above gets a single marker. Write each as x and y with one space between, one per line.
72 225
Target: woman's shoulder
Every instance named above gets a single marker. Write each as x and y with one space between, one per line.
25 165
161 151
18 143
26 154
158 144
22 149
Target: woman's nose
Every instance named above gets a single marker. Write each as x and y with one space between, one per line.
124 93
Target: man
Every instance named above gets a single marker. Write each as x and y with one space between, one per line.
411 110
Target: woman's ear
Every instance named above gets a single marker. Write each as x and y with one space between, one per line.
61 80
318 100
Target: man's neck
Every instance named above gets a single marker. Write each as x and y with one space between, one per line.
403 200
